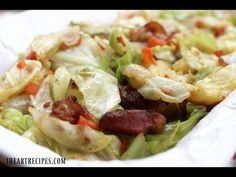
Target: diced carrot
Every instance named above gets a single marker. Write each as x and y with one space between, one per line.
147 57
153 41
123 145
132 15
64 46
121 41
221 61
219 31
171 41
32 55
21 64
218 53
31 89
199 24
78 42
83 121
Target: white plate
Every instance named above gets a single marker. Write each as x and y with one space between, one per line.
211 143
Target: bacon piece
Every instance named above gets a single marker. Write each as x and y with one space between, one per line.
148 30
132 122
69 110
131 99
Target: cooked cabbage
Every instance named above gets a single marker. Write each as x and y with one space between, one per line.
15 79
160 88
61 80
164 52
204 41
75 137
193 60
45 46
136 74
43 96
108 153
153 85
15 121
98 88
176 131
215 87
119 43
72 136
85 54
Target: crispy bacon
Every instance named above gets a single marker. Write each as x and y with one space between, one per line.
151 29
131 99
132 122
69 110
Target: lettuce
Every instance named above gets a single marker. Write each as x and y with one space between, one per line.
169 138
14 120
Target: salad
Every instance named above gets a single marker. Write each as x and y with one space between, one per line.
127 90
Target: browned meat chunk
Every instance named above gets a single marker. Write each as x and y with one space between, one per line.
69 110
159 122
150 29
131 99
132 122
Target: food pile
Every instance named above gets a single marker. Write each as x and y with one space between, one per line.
127 90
